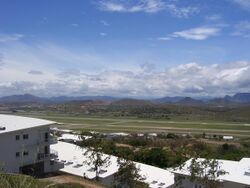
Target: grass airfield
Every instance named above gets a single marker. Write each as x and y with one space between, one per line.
135 125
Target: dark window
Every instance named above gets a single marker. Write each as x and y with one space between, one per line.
25 136
51 162
46 150
25 153
46 136
17 154
17 137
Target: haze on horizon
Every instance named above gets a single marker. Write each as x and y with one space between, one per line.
128 48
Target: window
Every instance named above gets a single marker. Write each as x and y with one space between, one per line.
25 153
25 136
46 150
46 137
17 154
17 137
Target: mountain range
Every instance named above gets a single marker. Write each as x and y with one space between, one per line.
238 98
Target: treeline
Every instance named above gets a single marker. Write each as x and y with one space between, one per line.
170 150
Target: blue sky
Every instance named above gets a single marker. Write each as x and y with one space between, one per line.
130 48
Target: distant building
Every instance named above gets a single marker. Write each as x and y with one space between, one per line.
25 145
228 137
73 138
237 174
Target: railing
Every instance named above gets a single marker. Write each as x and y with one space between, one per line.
52 155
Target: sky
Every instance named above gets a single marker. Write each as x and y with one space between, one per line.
124 48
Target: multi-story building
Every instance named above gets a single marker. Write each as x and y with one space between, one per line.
25 145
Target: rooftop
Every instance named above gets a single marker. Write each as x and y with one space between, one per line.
14 123
236 171
73 159
73 137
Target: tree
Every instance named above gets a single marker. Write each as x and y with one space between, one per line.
128 175
96 158
206 172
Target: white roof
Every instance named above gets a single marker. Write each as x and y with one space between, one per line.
236 171
74 137
14 123
228 137
73 153
61 130
119 134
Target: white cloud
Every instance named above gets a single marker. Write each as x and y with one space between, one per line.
46 69
148 6
243 3
75 25
182 12
198 33
103 34
191 79
105 23
214 17
10 37
242 29
164 38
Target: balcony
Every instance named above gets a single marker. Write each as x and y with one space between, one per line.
52 140
52 155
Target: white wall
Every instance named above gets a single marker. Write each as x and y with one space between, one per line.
186 183
9 146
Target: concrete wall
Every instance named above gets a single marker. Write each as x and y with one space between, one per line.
9 146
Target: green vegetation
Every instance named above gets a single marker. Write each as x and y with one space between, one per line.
171 150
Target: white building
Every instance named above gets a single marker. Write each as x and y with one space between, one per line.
25 145
73 138
73 158
237 174
228 137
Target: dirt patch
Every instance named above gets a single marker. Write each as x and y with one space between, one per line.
65 178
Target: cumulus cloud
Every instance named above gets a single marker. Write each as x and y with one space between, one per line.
10 37
185 79
147 6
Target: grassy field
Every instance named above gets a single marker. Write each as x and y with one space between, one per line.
145 125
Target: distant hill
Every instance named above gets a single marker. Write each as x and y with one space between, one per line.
240 97
26 98
190 101
168 99
131 102
237 99
61 99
